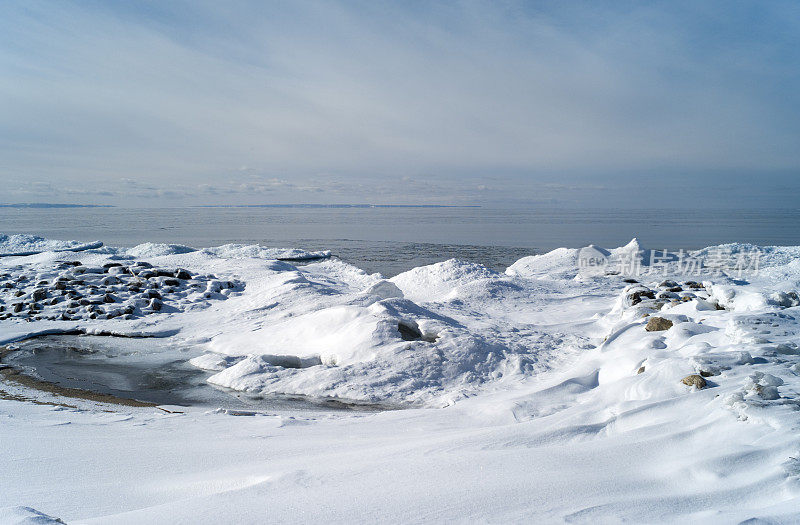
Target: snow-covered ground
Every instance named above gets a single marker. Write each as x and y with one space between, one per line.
542 394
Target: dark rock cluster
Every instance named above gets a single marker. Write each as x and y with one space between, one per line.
129 290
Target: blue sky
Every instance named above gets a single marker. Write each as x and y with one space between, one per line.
556 103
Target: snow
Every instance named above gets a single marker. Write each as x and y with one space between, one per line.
21 244
238 251
25 516
150 249
531 395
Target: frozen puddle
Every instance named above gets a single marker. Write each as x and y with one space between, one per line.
145 369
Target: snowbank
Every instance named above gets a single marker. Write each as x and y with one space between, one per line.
21 245
588 399
25 516
239 251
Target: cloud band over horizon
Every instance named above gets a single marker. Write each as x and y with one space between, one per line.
469 102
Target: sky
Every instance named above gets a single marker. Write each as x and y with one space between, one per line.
622 104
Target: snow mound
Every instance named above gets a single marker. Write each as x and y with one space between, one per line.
559 263
384 289
391 350
150 249
21 244
317 331
240 251
436 281
212 361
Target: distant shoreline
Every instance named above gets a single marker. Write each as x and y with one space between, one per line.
40 205
336 206
49 205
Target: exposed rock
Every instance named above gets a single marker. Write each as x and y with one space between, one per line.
706 373
658 324
667 284
641 370
77 293
408 332
695 381
638 296
785 299
693 284
675 289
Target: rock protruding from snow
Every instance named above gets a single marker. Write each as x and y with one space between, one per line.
76 292
694 380
658 324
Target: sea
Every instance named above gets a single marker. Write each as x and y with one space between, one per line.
391 240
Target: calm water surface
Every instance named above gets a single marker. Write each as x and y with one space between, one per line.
152 370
